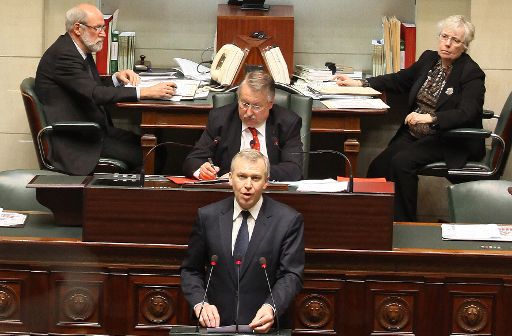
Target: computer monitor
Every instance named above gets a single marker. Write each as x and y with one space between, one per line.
254 4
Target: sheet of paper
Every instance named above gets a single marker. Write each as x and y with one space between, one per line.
333 88
374 103
326 185
193 70
11 219
492 232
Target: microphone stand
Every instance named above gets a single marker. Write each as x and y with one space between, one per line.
263 263
213 263
238 262
350 184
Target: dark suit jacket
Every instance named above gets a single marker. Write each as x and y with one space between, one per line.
224 125
69 93
459 105
277 236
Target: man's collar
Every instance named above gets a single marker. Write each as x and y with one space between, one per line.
260 129
84 55
255 210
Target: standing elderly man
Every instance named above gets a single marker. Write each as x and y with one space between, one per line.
253 122
245 227
70 89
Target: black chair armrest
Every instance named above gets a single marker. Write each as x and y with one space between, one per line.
76 126
472 133
487 114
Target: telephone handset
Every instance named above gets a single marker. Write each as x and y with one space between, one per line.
276 65
226 63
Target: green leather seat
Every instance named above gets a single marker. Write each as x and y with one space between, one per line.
299 104
485 201
14 195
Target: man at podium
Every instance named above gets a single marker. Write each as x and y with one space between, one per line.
235 243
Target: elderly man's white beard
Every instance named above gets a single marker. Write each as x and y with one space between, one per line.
93 47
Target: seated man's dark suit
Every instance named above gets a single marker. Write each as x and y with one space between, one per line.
71 90
221 141
277 236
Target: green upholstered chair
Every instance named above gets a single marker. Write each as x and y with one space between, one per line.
485 201
14 195
493 164
299 104
40 130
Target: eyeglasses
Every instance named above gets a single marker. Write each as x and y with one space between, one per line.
445 38
245 106
97 29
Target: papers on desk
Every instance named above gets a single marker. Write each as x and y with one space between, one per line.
11 219
355 103
186 88
326 185
193 70
492 232
327 88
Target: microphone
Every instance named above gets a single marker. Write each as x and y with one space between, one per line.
213 263
215 142
238 262
350 184
263 263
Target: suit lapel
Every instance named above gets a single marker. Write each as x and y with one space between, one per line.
272 138
225 229
261 229
234 136
453 79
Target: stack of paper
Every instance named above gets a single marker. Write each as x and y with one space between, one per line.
126 56
326 185
312 74
11 219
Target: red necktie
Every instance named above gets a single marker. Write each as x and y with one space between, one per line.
255 143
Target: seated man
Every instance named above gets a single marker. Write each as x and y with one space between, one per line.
253 122
70 89
245 227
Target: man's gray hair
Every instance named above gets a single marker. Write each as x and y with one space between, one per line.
259 81
251 155
456 22
74 15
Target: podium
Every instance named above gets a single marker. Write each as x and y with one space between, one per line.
192 331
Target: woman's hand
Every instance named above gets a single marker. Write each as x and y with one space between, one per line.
344 80
414 118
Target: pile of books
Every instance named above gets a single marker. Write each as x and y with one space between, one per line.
118 50
314 74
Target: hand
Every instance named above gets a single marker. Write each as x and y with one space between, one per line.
209 316
128 77
263 320
163 90
208 172
414 118
344 80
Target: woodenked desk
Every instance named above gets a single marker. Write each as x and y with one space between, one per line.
156 114
161 213
57 284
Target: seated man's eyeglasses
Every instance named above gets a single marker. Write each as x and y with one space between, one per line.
445 38
245 106
97 28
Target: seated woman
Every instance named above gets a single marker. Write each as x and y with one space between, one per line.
446 90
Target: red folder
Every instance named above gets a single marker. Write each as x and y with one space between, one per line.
408 35
103 56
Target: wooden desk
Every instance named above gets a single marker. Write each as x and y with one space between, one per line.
163 214
65 286
194 115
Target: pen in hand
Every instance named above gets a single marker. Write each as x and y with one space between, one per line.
211 164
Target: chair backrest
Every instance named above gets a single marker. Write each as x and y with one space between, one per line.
504 130
483 201
299 104
34 111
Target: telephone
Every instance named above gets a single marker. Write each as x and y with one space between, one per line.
226 63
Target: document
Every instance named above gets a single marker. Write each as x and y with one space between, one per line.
242 328
355 103
186 88
326 185
326 88
492 232
11 219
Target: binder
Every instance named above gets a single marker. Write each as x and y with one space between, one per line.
103 56
408 35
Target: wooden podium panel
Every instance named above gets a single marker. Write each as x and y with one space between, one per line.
277 23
